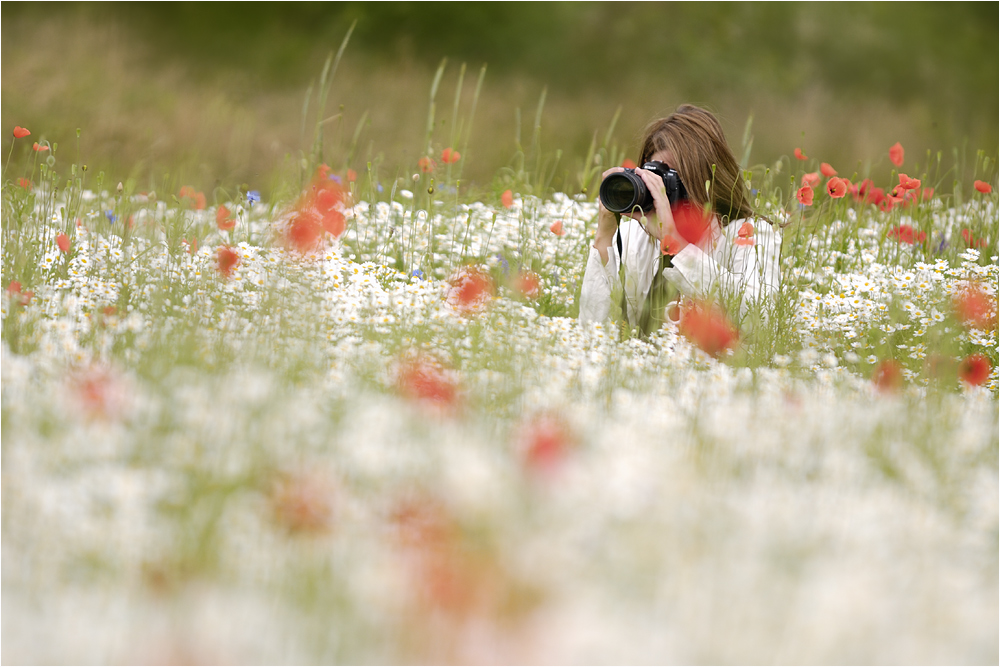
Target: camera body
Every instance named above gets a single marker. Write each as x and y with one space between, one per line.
625 191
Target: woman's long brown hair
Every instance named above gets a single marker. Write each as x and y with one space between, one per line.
697 143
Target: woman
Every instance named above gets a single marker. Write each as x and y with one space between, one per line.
736 260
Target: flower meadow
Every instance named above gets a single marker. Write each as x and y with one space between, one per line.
362 424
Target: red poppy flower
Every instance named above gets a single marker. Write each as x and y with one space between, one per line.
63 242
628 164
25 183
507 199
450 156
20 132
971 241
352 176
670 245
927 194
805 195
708 328
888 376
827 170
906 234
38 147
836 187
907 183
691 221
983 187
325 201
975 308
14 287
528 285
745 235
811 179
424 380
470 289
302 503
426 165
896 154
14 290
194 198
223 219
975 369
544 442
100 393
557 228
228 260
800 155
304 232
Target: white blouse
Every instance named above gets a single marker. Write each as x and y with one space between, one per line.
729 265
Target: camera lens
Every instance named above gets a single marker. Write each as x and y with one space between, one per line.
623 191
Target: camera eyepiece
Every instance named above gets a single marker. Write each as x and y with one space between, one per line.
625 191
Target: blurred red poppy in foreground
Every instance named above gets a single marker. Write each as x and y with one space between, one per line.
450 156
25 183
20 132
527 284
317 211
628 164
302 503
101 393
707 327
192 197
896 154
975 308
971 241
16 295
470 289
63 242
888 376
983 187
224 219
507 199
906 234
827 170
975 369
228 259
800 155
544 442
811 179
557 228
38 147
424 380
691 221
426 165
805 195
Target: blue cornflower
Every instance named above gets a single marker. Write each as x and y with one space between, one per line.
253 197
417 273
504 264
335 178
110 215
378 186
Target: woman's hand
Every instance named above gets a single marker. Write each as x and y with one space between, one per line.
660 221
607 223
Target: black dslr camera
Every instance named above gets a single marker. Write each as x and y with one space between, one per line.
624 191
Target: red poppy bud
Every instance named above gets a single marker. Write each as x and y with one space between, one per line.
896 154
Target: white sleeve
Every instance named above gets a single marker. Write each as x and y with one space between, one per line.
599 280
751 272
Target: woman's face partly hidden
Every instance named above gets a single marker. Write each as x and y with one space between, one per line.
666 157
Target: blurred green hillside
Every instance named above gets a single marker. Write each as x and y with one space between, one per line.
212 93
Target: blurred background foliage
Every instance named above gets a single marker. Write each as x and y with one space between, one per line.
212 93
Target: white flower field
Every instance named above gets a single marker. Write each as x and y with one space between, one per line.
399 445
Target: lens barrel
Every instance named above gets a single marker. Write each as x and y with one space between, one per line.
625 191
